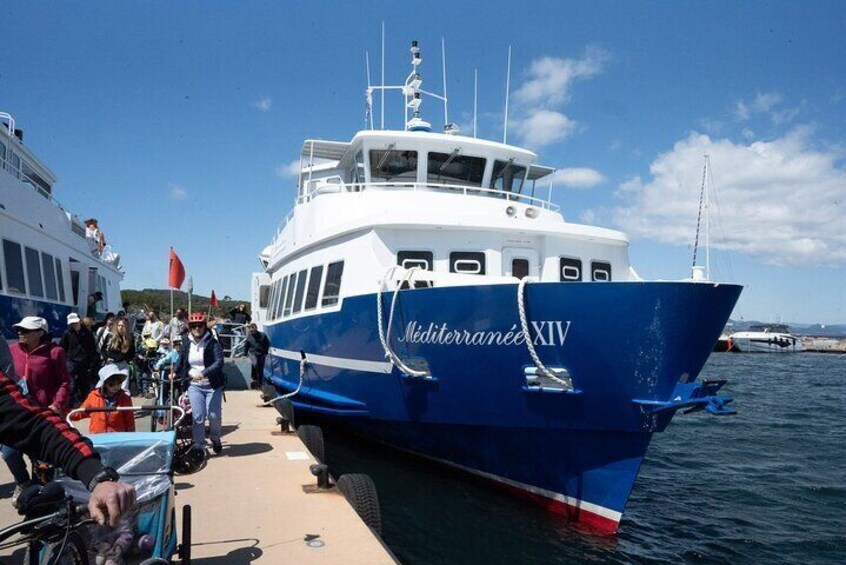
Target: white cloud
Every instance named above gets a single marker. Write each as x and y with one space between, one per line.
763 103
544 127
780 201
580 177
537 102
263 104
292 169
177 191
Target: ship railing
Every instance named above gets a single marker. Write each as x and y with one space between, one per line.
335 184
231 337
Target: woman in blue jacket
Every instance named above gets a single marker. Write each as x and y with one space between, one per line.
201 364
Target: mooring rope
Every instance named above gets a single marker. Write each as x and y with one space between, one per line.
384 335
524 323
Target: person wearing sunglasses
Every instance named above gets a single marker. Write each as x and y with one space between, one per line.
41 365
201 363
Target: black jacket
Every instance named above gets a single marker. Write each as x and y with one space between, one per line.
257 344
79 346
212 360
239 317
42 434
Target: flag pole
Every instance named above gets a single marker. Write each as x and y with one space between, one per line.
171 303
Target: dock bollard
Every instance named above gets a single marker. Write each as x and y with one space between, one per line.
321 471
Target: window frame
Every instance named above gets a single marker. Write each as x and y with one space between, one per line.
29 254
456 257
570 262
299 295
328 299
315 282
595 265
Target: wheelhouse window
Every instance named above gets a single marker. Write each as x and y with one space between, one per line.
264 295
600 271
357 172
467 262
570 269
14 266
314 280
33 273
49 269
507 176
279 301
60 279
520 268
452 168
301 283
393 165
332 287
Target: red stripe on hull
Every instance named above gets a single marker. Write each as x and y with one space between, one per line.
583 520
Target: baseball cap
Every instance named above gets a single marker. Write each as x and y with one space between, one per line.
73 318
32 323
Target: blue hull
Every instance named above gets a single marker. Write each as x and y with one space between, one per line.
630 348
13 309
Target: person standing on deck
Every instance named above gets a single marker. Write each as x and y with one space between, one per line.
240 316
201 362
81 353
257 347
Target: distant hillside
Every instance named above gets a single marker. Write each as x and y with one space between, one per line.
159 300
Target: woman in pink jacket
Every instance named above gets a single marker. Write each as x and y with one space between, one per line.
41 366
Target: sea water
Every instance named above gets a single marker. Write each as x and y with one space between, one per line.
767 485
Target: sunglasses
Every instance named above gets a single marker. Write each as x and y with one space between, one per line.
24 330
194 326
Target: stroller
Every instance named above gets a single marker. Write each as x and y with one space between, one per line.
169 394
146 460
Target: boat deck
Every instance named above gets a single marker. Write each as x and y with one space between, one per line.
257 501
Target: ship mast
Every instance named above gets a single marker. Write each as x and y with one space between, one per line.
703 204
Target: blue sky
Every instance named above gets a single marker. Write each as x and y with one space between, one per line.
176 123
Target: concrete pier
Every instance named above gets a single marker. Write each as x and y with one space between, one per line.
256 502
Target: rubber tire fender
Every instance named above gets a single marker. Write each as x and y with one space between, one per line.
312 437
360 492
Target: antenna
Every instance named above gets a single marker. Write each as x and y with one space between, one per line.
507 89
475 97
369 110
702 203
383 74
443 66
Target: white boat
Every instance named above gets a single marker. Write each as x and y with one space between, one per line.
766 338
421 293
49 268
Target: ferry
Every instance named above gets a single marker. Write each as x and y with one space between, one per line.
48 265
766 338
421 293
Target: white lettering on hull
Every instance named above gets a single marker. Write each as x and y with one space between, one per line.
551 333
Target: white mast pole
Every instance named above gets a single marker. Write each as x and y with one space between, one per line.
475 97
383 75
507 89
369 93
443 65
707 225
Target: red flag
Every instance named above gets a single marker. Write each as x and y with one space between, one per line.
176 271
213 301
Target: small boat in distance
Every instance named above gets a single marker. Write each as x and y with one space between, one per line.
50 265
766 338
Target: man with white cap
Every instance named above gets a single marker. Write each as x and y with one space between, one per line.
81 353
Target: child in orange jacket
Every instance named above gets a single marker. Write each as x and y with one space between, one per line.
108 394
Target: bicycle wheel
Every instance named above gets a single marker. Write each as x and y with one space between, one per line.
73 552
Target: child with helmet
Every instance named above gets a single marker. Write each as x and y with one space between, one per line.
201 363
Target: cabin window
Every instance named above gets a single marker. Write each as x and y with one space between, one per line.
33 178
2 156
570 269
467 262
14 266
421 259
280 297
289 294
105 292
332 287
33 272
393 165
600 271
314 280
15 160
452 168
264 295
75 286
507 176
520 268
301 284
49 269
60 279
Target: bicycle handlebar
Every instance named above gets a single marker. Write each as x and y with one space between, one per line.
146 408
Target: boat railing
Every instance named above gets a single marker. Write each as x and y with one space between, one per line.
336 184
232 338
